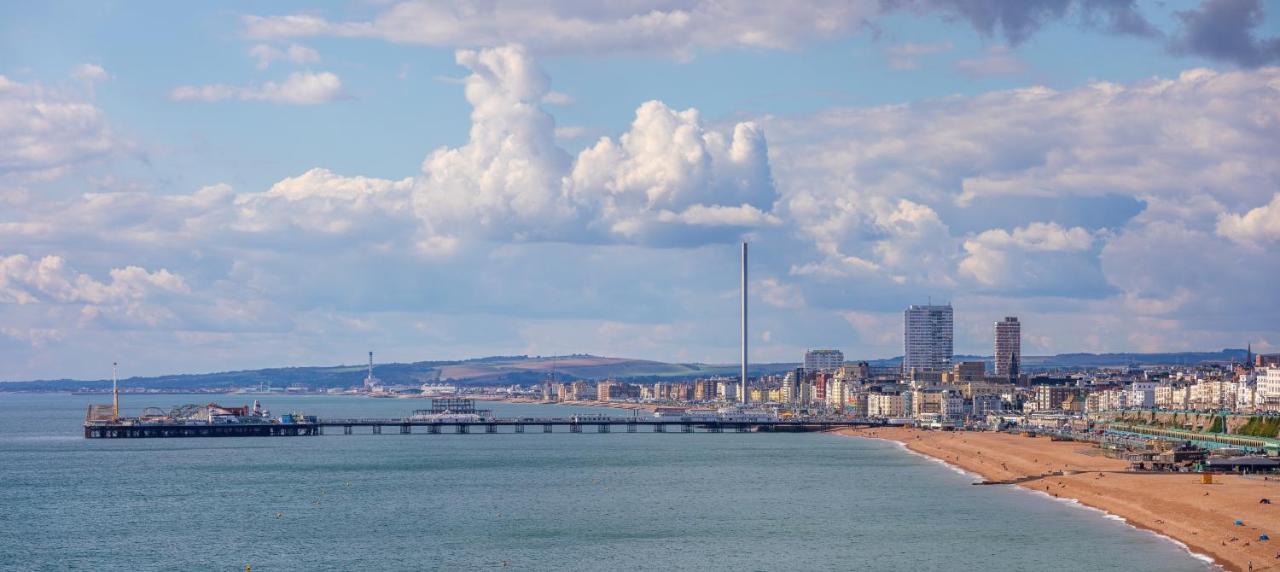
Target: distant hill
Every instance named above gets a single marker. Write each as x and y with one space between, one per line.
506 370
1087 360
497 370
1075 360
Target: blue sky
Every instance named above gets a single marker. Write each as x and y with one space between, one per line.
207 186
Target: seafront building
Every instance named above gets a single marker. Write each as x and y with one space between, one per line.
1269 385
823 360
964 393
930 386
927 337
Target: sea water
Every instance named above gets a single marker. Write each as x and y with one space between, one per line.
532 501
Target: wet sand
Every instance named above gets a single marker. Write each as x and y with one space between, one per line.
1176 505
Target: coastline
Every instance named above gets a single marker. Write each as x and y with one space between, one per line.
1176 506
977 478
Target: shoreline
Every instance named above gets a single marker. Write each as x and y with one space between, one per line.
976 477
1172 505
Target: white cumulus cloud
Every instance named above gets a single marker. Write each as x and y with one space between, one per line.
668 172
90 73
299 88
999 256
49 279
1258 226
266 54
133 296
42 129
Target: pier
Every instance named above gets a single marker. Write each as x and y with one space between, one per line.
446 415
406 426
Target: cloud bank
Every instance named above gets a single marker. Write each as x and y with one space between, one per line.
1110 216
682 26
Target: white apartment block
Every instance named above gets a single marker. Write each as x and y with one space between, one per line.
1107 399
837 392
886 405
1142 395
1095 402
1269 389
927 337
823 360
1176 397
1247 397
1213 394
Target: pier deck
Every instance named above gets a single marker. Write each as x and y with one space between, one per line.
406 426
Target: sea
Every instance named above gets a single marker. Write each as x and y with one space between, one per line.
533 501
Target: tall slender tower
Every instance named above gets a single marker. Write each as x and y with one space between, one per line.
369 380
115 393
743 393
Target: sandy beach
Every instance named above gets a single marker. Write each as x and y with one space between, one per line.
1177 505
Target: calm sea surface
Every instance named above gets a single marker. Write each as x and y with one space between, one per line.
524 502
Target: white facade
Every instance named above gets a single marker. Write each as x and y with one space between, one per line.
1213 394
1008 350
1094 402
1247 397
1106 400
1269 386
984 403
1142 394
1169 396
952 405
837 392
823 360
727 390
791 386
928 332
886 405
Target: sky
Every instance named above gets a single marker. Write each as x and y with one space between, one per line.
197 186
